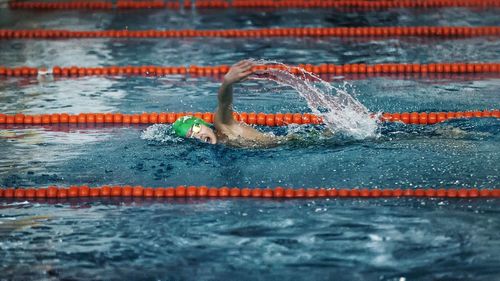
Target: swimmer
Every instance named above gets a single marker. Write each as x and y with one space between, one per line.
9 225
29 137
225 129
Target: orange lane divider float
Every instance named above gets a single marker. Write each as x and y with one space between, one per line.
429 31
275 4
226 192
252 118
366 4
94 5
388 68
155 4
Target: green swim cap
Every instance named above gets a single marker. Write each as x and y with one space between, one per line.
182 125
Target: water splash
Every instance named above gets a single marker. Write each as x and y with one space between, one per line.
341 112
160 133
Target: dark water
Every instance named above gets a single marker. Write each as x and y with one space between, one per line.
246 239
396 239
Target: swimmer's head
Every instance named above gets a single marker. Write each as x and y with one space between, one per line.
195 128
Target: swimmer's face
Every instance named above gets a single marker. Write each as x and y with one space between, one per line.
203 133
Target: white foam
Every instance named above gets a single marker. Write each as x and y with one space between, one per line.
160 133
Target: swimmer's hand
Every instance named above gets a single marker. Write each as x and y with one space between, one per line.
239 72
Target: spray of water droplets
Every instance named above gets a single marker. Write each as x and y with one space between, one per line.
341 112
160 133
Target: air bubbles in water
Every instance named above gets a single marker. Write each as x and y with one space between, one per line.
341 112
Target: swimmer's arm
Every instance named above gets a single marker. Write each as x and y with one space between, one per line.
224 113
238 72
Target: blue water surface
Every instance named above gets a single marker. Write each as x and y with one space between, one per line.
317 239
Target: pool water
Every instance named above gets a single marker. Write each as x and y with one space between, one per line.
319 239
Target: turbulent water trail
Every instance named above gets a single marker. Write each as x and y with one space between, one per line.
341 112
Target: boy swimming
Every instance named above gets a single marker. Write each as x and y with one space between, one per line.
227 130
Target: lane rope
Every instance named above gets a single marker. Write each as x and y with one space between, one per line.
151 70
235 192
274 4
427 31
93 5
252 118
366 4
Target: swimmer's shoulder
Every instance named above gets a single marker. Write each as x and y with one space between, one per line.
243 135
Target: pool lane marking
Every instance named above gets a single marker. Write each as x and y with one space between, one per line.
389 31
276 4
252 118
54 192
197 70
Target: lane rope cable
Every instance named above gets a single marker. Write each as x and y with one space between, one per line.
151 70
252 118
423 31
54 192
274 4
